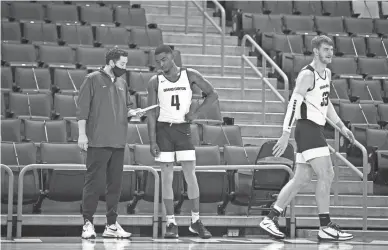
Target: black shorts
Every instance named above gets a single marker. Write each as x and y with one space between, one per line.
174 139
310 141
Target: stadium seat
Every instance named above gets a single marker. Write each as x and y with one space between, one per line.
96 15
344 67
377 46
366 9
137 134
287 43
62 13
32 80
73 130
25 11
350 46
381 26
5 11
377 145
384 9
382 110
332 25
267 24
385 89
145 38
308 8
76 35
299 24
10 32
10 130
65 106
336 8
195 134
130 17
15 55
117 4
6 79
221 135
277 7
45 131
212 116
374 68
138 82
90 58
68 81
57 181
30 106
112 37
3 106
359 27
339 92
40 33
292 64
56 56
138 60
16 156
366 91
254 7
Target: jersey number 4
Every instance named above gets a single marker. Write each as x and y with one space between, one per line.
175 101
325 99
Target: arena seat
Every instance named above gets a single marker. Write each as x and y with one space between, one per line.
73 130
18 55
350 46
32 80
40 33
254 7
385 90
381 26
366 91
366 9
76 35
26 11
116 4
68 81
277 7
138 60
308 8
96 15
299 24
331 25
374 68
344 67
292 64
62 13
377 145
5 11
382 109
30 106
3 106
287 43
221 135
56 56
130 17
111 37
45 131
384 9
10 130
90 58
146 38
359 26
16 156
212 115
10 32
65 106
377 46
339 92
138 82
6 79
336 8
137 134
267 24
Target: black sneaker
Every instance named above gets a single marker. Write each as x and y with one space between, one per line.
171 231
200 229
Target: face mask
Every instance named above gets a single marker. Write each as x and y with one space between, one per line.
117 72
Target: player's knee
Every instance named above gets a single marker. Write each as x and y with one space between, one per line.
188 168
326 174
167 173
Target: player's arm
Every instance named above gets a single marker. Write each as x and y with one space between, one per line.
83 109
304 82
211 95
151 114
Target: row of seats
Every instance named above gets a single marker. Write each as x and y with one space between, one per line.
361 9
25 55
120 15
364 114
76 35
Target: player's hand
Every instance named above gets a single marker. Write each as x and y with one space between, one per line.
136 112
83 142
154 148
189 117
348 134
281 145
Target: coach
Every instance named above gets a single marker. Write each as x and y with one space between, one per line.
103 108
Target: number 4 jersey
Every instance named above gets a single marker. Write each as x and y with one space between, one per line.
314 106
174 98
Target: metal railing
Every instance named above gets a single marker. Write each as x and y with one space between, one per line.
78 167
262 75
221 29
10 200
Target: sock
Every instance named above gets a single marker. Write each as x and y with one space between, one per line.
324 219
170 219
194 216
275 212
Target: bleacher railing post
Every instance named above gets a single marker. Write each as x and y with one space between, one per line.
169 7
10 200
335 163
204 28
186 17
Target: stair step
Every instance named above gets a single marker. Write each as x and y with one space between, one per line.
369 234
235 82
162 3
250 106
344 200
344 222
200 59
211 39
347 211
255 117
270 130
210 49
170 27
250 94
175 10
343 187
228 70
175 19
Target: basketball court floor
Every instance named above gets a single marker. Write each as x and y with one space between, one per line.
72 243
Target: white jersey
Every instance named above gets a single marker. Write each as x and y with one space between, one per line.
174 98
316 100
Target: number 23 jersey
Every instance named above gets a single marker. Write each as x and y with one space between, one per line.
174 98
314 106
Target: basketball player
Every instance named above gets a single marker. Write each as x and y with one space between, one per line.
310 105
169 131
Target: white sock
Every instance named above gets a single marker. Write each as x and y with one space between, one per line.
194 216
170 219
278 208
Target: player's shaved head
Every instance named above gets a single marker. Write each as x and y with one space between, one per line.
163 49
164 58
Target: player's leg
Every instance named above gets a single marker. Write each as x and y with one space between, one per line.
302 177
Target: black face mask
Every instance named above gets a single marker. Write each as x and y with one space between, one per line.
117 72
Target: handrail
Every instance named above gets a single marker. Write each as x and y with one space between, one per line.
221 29
10 200
77 167
263 77
249 167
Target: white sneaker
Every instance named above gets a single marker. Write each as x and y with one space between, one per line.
272 228
115 231
333 232
88 230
